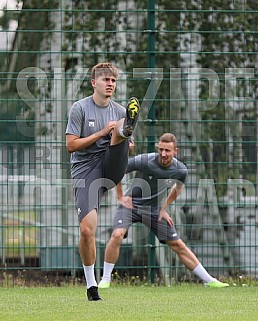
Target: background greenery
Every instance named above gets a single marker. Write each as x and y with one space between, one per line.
213 34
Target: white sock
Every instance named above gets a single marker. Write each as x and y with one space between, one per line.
89 275
121 132
108 268
203 274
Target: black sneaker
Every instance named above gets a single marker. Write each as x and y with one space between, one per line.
93 294
132 113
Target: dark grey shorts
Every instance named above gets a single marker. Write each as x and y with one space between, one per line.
125 217
103 174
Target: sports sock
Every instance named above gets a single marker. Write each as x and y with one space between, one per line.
107 270
121 132
203 274
89 275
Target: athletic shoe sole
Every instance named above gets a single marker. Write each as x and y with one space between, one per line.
132 113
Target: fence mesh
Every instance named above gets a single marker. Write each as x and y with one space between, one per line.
192 65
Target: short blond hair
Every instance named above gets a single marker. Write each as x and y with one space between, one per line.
104 68
168 138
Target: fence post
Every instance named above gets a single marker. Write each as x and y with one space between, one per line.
151 123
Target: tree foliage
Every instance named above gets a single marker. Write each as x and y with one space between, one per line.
214 34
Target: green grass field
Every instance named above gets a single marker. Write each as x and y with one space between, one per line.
135 303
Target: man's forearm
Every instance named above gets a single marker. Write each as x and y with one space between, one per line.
119 190
170 199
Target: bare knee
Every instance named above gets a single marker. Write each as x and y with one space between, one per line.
86 233
118 235
177 246
88 226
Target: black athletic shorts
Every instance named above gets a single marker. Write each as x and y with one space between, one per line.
125 217
103 174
